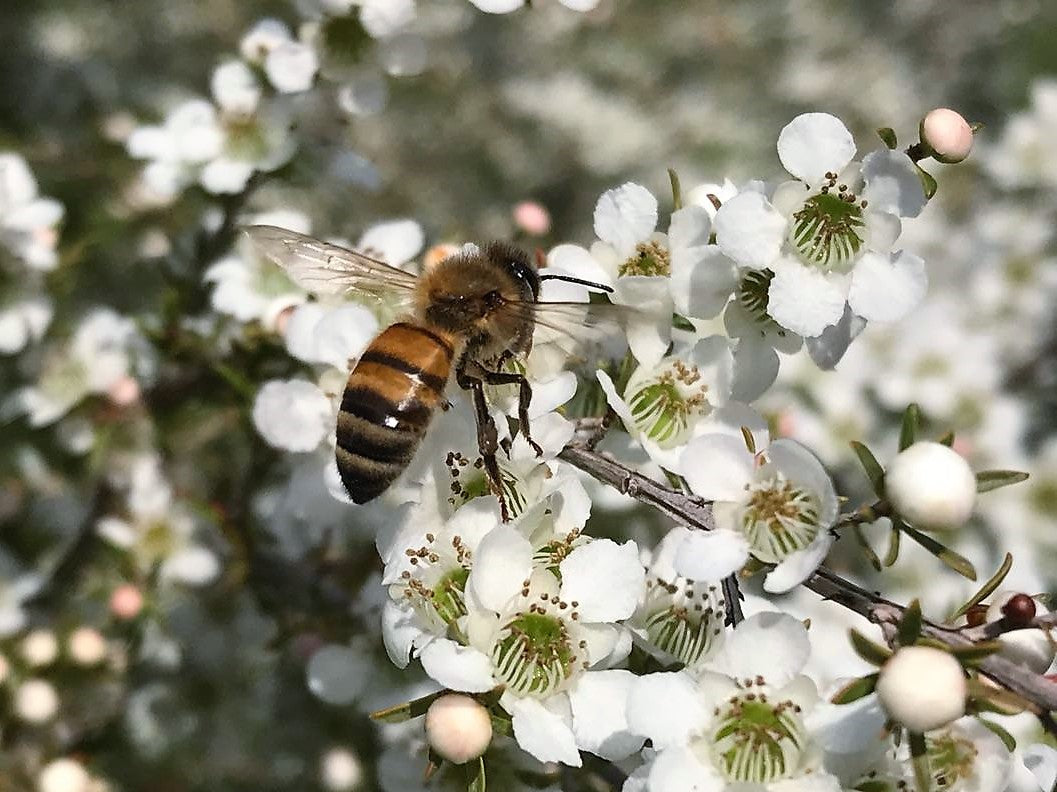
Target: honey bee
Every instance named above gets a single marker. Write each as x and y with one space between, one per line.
468 314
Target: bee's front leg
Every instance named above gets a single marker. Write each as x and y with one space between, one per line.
524 398
487 436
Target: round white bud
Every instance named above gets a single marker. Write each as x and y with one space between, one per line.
931 487
922 688
40 648
36 701
63 775
1029 647
86 646
340 770
458 727
947 134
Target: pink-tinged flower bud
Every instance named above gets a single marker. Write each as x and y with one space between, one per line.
458 728
126 602
947 134
922 688
931 487
532 218
86 646
124 391
63 775
36 701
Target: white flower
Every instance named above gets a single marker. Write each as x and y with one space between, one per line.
821 240
36 701
748 722
86 646
23 321
774 503
340 770
40 648
931 486
506 6
63 775
263 37
235 87
922 688
291 66
14 591
458 728
27 220
292 414
665 404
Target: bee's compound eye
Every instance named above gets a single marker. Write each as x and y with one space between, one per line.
493 297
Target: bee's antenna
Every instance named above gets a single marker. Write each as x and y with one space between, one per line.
581 281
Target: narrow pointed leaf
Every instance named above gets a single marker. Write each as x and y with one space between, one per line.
868 650
868 551
856 689
750 441
958 563
908 431
928 182
987 480
677 192
475 778
947 439
408 710
893 546
919 756
988 698
873 468
986 590
976 652
1006 738
910 625
888 137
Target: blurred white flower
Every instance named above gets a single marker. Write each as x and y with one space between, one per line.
291 66
63 775
35 701
340 770
27 220
39 648
86 646
23 321
14 591
292 414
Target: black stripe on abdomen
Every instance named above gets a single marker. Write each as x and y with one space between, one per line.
431 381
410 414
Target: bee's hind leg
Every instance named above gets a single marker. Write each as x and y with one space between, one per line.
487 437
524 398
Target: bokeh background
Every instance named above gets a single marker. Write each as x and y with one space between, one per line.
212 687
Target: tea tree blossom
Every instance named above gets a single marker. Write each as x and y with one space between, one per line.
931 486
28 220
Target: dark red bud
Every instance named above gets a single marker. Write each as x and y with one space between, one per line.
1020 609
976 616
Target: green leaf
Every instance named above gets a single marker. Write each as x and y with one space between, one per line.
475 778
888 137
908 432
677 192
919 756
928 182
986 590
750 441
910 624
893 546
407 710
947 439
868 551
867 649
976 652
1006 738
958 563
987 480
873 469
856 689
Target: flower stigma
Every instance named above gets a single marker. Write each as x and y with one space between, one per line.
663 407
684 619
827 231
534 654
779 518
649 258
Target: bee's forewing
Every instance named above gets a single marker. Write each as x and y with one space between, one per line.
322 268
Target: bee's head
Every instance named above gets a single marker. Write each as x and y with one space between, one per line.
516 264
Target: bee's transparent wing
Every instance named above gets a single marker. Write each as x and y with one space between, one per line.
578 326
323 269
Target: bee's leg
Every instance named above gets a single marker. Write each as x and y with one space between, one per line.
524 397
487 437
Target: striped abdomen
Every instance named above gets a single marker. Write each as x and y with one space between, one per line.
389 399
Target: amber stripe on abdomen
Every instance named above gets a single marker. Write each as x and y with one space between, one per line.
387 405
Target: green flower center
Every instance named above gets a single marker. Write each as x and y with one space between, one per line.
684 619
950 759
756 741
779 519
649 258
827 231
448 595
534 655
664 407
438 584
469 481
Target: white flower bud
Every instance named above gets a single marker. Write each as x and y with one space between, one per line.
458 728
86 646
340 770
931 486
40 648
947 134
36 701
63 775
1029 647
922 688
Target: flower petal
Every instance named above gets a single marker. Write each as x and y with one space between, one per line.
457 667
772 645
718 466
665 708
399 632
892 183
544 733
578 262
625 216
814 144
649 330
617 404
804 300
887 288
847 728
828 348
605 578
395 241
690 226
503 560
750 230
711 555
798 566
755 368
803 468
680 770
703 279
599 704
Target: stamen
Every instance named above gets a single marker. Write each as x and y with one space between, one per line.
533 655
827 231
649 258
779 519
757 742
